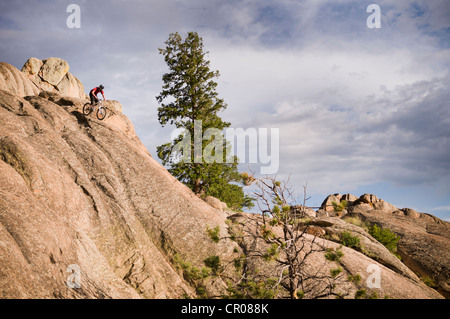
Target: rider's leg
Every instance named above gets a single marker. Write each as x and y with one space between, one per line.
93 98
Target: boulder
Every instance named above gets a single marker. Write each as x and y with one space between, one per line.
52 75
71 86
335 227
53 70
313 230
411 213
384 206
424 241
215 202
360 207
302 211
367 199
349 198
32 66
327 204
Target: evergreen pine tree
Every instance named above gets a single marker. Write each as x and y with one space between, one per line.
188 95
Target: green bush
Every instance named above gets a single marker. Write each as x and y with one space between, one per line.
339 207
213 262
249 289
356 278
360 294
271 253
350 241
336 271
385 236
214 234
333 255
430 282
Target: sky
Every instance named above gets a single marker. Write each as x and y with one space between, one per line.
358 109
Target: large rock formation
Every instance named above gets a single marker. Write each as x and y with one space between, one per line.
396 280
16 82
425 239
78 194
77 191
53 75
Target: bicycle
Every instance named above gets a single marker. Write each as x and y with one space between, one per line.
101 111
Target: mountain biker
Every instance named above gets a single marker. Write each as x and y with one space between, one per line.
93 94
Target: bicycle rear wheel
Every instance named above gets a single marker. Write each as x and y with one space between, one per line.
101 113
87 109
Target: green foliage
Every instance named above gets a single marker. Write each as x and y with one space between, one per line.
373 295
360 294
190 272
189 94
231 194
357 222
271 253
347 239
214 233
239 262
333 255
386 237
266 233
356 278
251 289
340 207
213 262
430 282
193 275
336 271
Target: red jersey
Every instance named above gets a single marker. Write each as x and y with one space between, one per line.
96 91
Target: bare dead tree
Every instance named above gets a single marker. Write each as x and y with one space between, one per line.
283 255
292 242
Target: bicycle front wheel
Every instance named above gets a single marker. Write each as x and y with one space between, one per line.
87 109
101 113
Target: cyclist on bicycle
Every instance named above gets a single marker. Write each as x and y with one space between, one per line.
93 94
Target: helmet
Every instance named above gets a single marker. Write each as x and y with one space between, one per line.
101 87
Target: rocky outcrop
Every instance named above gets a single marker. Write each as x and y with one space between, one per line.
396 280
425 239
53 75
82 198
77 191
369 246
16 82
50 75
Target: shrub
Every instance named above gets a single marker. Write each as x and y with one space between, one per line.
332 255
271 253
356 278
214 233
336 271
360 294
340 207
249 289
213 262
386 237
350 241
430 282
